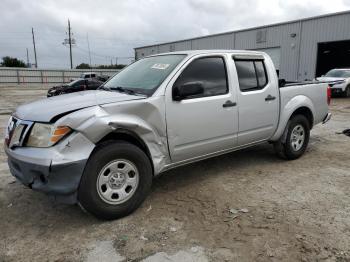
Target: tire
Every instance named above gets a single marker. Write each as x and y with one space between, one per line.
104 173
347 91
288 148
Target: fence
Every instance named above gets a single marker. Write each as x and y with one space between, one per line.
9 75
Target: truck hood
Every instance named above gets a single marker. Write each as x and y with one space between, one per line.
45 109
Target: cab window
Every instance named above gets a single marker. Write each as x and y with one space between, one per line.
210 72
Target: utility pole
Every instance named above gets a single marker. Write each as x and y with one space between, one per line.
36 61
70 45
116 61
27 58
87 37
69 41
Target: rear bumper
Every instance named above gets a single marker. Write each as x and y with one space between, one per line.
327 118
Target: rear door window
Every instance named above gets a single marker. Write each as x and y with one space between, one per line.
261 73
251 74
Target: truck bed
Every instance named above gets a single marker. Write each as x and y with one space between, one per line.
311 94
282 83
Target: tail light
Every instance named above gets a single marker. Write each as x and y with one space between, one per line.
329 95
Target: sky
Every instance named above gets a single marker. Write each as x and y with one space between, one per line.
115 27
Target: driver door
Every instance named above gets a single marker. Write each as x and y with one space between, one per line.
201 124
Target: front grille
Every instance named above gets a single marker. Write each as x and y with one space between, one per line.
17 131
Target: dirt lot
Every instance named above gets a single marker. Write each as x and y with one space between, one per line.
289 211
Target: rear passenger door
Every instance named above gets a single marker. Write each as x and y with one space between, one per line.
203 124
258 100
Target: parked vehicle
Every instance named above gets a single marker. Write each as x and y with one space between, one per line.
102 78
88 75
75 86
341 77
102 148
91 76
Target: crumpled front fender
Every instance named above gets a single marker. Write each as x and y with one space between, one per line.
142 117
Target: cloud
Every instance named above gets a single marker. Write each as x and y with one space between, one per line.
115 27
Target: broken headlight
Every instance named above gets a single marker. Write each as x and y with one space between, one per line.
46 135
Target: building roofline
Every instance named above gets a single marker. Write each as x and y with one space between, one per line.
250 28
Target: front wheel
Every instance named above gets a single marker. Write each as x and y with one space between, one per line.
116 180
296 139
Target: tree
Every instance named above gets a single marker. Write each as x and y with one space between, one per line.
86 66
120 66
8 61
83 66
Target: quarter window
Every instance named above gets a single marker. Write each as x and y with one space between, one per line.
210 72
251 74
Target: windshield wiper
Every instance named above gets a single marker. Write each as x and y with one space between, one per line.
126 90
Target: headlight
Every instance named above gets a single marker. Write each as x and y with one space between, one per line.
46 135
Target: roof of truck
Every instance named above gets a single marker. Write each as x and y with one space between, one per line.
198 52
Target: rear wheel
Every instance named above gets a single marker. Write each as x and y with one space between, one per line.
295 140
116 180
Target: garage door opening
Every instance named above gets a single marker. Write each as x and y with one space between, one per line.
332 55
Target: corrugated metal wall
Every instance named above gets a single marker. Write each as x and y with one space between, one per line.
9 75
297 40
327 29
281 36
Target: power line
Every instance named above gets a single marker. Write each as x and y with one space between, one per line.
104 56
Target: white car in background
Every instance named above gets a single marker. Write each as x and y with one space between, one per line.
342 76
89 75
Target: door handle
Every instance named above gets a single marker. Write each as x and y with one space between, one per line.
229 103
270 98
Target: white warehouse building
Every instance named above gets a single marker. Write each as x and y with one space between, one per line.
300 49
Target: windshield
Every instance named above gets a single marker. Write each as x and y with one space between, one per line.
145 75
73 83
338 73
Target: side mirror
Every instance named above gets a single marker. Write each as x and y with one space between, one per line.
187 90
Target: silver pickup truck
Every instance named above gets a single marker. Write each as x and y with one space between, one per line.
102 148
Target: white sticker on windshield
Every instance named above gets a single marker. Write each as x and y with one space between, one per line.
160 66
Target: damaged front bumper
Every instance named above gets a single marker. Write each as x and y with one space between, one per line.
55 171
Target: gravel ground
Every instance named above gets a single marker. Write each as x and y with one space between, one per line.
244 206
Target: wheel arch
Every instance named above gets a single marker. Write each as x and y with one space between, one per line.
131 137
297 105
305 111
